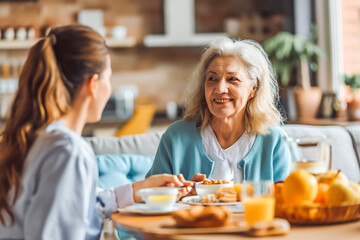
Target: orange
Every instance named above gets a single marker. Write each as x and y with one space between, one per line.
237 187
299 187
278 192
322 189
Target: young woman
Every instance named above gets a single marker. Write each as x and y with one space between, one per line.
48 174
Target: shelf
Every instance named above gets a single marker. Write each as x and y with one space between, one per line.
26 44
195 40
114 43
17 44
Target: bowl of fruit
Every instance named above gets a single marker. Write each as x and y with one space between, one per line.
324 199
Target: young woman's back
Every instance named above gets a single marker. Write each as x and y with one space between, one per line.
58 159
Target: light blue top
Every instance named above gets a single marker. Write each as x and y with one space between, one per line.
181 151
59 198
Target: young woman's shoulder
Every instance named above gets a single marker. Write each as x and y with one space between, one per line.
61 142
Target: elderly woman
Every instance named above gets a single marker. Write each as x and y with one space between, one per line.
231 127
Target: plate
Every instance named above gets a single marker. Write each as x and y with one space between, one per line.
233 206
144 209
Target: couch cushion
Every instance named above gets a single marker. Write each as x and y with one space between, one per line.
141 144
354 131
343 153
120 169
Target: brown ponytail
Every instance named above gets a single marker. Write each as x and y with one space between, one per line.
55 68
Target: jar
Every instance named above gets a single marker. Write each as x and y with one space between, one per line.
21 33
31 32
9 34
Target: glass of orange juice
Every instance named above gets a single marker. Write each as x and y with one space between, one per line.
259 201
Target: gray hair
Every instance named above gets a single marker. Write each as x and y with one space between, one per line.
261 113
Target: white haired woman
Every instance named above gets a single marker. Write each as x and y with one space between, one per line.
230 130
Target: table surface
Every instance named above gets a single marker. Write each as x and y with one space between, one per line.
145 227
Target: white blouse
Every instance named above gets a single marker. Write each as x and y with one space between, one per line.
226 160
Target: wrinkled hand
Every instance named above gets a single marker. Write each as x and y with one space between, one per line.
189 186
162 180
196 178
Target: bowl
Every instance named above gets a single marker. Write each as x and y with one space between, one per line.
313 214
203 189
159 198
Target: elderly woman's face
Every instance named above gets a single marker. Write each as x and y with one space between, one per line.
227 87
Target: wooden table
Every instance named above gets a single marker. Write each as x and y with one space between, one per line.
147 227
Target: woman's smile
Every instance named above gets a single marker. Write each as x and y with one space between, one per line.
227 87
222 100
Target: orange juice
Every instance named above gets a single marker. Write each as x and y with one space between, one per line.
261 208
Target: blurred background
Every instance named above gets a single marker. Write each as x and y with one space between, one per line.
155 45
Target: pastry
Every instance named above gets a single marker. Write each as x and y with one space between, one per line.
209 198
227 195
202 216
269 228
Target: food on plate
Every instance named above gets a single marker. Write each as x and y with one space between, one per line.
341 192
209 182
227 195
209 198
299 187
224 194
237 187
202 216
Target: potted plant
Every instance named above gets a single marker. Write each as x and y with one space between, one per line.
353 95
289 52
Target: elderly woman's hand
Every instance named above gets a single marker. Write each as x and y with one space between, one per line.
198 177
162 180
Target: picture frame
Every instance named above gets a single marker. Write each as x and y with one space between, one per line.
327 109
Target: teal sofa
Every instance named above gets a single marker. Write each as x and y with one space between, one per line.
127 159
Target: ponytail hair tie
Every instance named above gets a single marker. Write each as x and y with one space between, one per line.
52 39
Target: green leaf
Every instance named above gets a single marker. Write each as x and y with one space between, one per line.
286 50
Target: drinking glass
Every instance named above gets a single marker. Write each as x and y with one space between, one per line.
259 202
312 154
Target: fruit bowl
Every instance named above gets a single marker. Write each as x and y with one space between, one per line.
314 214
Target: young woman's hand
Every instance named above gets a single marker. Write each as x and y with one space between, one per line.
162 180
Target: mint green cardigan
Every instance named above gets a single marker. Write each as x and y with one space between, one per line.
181 151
